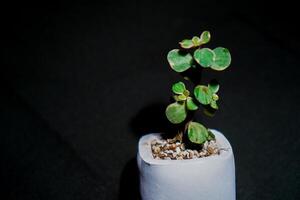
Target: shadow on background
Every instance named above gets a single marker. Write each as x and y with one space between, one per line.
148 120
129 183
151 119
38 163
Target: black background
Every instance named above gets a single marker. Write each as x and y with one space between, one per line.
81 82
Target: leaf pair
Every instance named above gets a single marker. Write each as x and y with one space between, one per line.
217 59
177 112
181 93
198 134
206 95
195 41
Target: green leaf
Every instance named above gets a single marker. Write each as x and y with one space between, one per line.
196 41
176 113
222 59
205 37
179 61
178 88
186 93
215 97
186 44
211 136
203 94
205 57
197 133
176 98
190 104
181 97
214 86
214 105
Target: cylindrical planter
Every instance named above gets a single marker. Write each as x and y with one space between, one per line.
208 178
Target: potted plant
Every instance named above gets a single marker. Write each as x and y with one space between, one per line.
196 162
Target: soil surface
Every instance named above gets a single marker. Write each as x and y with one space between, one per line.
171 149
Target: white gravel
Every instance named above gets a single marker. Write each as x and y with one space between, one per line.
173 150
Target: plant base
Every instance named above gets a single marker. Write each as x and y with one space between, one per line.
210 177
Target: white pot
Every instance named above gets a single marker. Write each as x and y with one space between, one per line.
208 178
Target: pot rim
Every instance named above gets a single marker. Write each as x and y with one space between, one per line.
144 151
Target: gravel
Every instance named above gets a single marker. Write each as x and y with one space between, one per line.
170 149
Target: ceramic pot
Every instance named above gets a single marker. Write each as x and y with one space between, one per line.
209 178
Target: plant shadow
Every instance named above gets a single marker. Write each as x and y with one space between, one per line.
150 119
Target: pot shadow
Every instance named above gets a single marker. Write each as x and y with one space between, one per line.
129 182
150 119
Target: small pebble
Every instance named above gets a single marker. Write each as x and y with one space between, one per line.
173 146
179 158
191 154
205 145
171 149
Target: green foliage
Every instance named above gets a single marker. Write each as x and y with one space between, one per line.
178 88
181 97
215 97
192 54
206 95
205 37
195 41
190 104
179 60
176 112
203 94
214 86
214 105
222 59
180 91
186 44
197 133
211 136
217 59
186 93
204 57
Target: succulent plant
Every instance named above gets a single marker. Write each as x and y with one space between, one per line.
192 54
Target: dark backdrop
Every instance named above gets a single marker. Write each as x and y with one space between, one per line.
81 82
